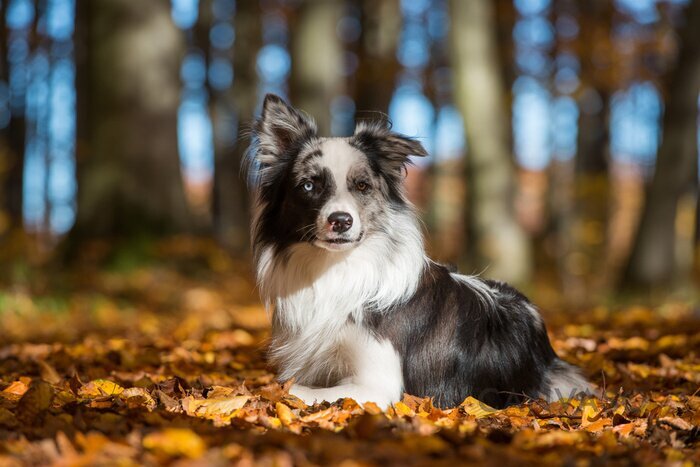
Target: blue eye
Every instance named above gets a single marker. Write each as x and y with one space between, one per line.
308 186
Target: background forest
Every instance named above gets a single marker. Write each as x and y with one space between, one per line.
563 133
564 158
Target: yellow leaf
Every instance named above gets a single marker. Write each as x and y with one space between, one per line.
211 408
284 413
590 411
100 388
468 427
515 411
529 439
272 422
477 408
176 442
403 409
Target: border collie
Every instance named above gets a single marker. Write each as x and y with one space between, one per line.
359 311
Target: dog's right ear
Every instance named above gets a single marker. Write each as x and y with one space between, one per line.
279 127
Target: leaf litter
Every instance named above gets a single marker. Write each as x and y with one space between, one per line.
158 366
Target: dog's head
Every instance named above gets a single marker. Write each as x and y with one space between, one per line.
330 192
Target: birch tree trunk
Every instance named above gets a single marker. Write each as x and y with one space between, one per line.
317 58
497 245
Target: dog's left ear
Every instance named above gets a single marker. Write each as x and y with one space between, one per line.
279 127
392 149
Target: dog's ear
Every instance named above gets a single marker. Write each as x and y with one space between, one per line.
391 149
279 127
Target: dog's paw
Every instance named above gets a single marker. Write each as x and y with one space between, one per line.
302 392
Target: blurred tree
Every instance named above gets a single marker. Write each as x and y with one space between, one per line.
374 82
652 261
231 111
12 144
696 262
317 59
583 222
128 59
497 243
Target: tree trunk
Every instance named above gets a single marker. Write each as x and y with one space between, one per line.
236 109
696 244
583 223
317 58
652 262
497 244
374 81
12 147
128 61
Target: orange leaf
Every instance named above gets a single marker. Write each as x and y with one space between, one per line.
176 442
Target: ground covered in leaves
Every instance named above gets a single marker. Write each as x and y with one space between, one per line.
156 363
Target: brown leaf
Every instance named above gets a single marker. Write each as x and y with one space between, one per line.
35 401
48 373
171 404
676 422
137 398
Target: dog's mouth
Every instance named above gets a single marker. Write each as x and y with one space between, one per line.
339 243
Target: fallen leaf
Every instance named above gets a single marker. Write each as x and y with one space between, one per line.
48 373
220 410
15 390
35 401
624 430
175 442
598 425
100 388
403 410
284 413
477 408
138 397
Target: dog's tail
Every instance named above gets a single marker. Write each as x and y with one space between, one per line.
565 381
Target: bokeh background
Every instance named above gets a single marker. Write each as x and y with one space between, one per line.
563 133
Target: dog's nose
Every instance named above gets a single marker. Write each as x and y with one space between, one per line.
340 221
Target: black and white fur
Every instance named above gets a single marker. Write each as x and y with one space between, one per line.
359 311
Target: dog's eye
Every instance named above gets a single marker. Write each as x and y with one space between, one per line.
308 187
362 186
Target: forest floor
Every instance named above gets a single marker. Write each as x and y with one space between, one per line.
162 362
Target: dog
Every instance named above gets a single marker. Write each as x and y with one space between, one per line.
358 309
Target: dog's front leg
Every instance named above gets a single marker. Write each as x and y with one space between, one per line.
377 377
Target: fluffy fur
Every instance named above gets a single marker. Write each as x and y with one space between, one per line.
358 310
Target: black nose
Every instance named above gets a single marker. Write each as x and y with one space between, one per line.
340 221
